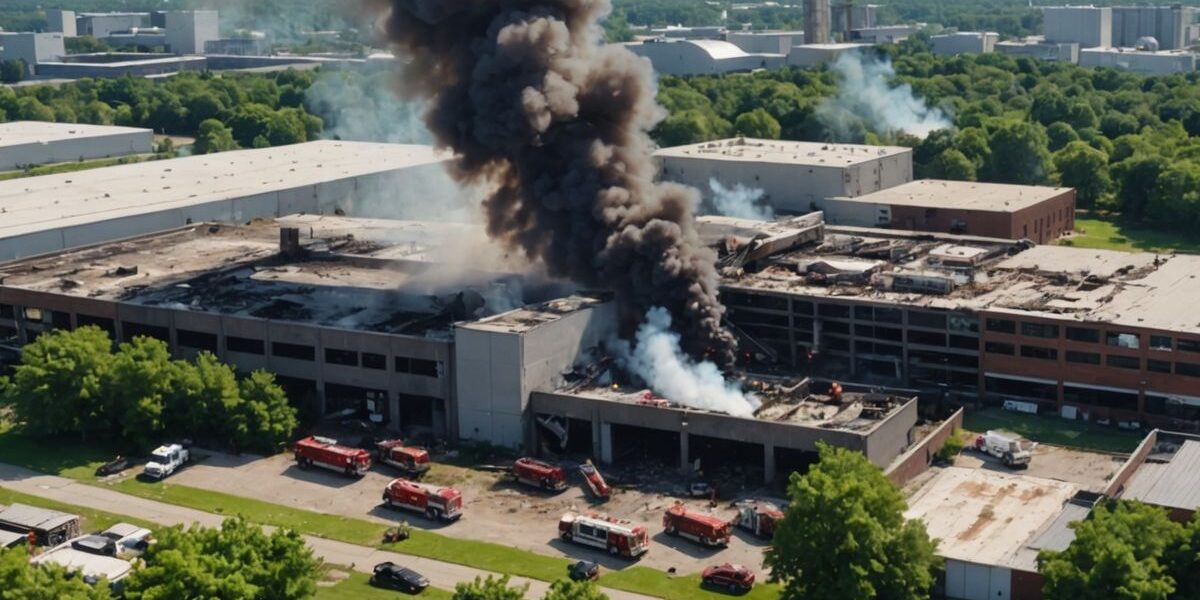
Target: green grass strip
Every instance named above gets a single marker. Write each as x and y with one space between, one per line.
92 520
357 587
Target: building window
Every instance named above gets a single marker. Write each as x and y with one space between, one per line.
836 344
1161 343
964 343
1122 340
1082 334
427 368
1189 346
998 348
196 339
1083 358
928 320
244 345
341 357
293 351
371 360
1002 326
802 308
1104 398
1040 330
1123 362
889 315
1187 369
1039 353
33 315
1158 366
863 313
1021 389
131 331
927 338
834 311
7 311
107 325
964 323
836 327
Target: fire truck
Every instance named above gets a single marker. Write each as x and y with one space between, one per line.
619 538
759 519
707 530
595 481
435 502
411 460
536 473
326 453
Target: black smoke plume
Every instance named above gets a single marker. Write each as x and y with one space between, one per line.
555 122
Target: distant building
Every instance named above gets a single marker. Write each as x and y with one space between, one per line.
50 527
1088 26
1164 471
1041 49
849 16
1164 62
244 46
1173 27
765 42
28 143
794 176
1012 212
118 64
702 57
33 48
102 25
817 26
140 37
886 34
815 55
713 32
188 31
964 42
61 21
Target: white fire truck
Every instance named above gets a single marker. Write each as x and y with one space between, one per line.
619 538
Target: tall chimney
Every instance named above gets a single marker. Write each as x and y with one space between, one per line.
289 242
816 21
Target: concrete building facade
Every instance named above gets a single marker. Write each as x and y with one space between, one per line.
1171 26
765 42
794 176
120 64
816 55
1088 26
32 48
188 31
702 57
30 143
1041 50
102 25
61 21
848 16
1013 212
964 42
817 22
1164 62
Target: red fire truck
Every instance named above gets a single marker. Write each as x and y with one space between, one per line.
411 460
436 502
699 527
326 453
536 473
619 538
759 519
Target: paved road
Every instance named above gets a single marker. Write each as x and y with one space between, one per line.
441 574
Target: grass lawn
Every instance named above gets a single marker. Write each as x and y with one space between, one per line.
72 167
1108 232
357 587
1053 430
653 582
92 520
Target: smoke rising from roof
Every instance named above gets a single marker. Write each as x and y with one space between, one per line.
555 123
866 97
739 201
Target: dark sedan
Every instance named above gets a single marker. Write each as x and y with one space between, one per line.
393 576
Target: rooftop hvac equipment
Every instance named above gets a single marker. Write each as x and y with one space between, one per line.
922 283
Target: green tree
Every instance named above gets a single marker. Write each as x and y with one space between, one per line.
1086 169
757 123
214 136
952 164
141 380
1060 134
687 127
1018 154
1136 178
20 580
565 589
97 113
1175 201
59 385
250 121
488 589
202 107
1117 553
237 560
30 108
263 420
1183 560
12 71
844 536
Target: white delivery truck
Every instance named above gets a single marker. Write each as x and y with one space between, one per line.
1012 449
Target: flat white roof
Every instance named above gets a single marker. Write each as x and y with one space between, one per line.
18 133
986 517
962 195
782 152
51 202
90 565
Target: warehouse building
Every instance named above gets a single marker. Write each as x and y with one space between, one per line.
765 42
964 42
796 177
816 55
1088 26
61 21
31 143
32 48
1163 62
1041 49
119 64
102 25
54 212
1173 27
1164 471
1013 212
189 30
702 57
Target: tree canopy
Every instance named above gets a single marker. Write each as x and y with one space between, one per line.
20 580
844 535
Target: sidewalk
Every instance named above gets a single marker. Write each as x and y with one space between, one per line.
442 575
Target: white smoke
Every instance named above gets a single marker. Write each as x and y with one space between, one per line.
866 97
656 357
361 105
739 201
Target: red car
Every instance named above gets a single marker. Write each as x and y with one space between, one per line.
734 578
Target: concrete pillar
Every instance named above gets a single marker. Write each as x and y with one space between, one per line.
394 412
597 447
606 444
768 463
685 465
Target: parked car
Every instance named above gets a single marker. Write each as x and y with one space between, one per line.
584 570
734 578
393 576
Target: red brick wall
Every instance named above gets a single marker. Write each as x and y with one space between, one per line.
1131 465
1047 221
1027 586
918 458
987 224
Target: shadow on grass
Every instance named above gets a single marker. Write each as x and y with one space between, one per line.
57 455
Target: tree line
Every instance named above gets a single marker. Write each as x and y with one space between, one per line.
1126 142
74 383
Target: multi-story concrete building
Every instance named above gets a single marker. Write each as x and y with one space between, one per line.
702 57
53 212
1041 49
188 31
1013 212
61 21
1173 27
102 25
765 42
964 42
794 176
816 55
1163 62
32 48
848 16
120 64
1088 26
884 34
31 143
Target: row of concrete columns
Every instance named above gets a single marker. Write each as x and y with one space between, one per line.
602 447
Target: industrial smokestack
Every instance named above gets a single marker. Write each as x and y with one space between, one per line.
816 21
556 123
